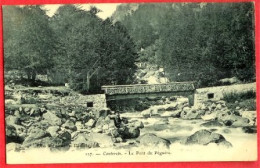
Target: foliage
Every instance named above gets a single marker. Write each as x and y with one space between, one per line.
91 47
28 40
235 96
74 46
201 42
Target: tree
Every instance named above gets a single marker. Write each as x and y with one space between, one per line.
201 42
93 52
28 40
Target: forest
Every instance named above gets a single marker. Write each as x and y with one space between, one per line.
201 42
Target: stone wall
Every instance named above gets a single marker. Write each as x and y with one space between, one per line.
95 102
217 93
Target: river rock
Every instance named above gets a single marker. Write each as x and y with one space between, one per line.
52 118
226 131
100 122
43 124
136 124
188 113
102 139
35 133
225 144
79 125
69 125
250 130
153 111
53 130
130 132
11 120
81 141
218 107
212 124
37 143
139 124
13 147
91 123
209 116
34 112
61 142
21 131
204 137
11 134
251 115
146 113
229 119
152 140
241 122
175 114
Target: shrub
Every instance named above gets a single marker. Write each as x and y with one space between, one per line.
235 96
244 100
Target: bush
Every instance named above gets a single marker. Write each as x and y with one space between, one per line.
235 96
244 100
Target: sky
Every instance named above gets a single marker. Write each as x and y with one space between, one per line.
107 9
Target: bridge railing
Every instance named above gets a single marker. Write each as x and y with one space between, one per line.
148 88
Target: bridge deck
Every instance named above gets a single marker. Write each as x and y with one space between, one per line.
148 88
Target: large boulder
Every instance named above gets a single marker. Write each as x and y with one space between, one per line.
11 120
21 131
52 118
69 124
212 124
35 133
129 132
61 142
53 130
91 123
11 135
241 122
102 139
100 122
205 137
209 116
81 141
251 115
249 130
230 119
136 124
43 124
153 111
13 147
152 140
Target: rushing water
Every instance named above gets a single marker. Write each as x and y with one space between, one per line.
174 129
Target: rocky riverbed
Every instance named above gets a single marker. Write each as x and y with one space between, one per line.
37 118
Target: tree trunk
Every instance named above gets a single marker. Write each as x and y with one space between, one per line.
33 76
88 81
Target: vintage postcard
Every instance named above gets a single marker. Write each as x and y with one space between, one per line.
130 82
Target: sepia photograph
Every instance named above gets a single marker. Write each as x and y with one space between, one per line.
130 82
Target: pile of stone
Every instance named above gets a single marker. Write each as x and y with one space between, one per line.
38 127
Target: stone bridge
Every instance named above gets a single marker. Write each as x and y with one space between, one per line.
117 92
